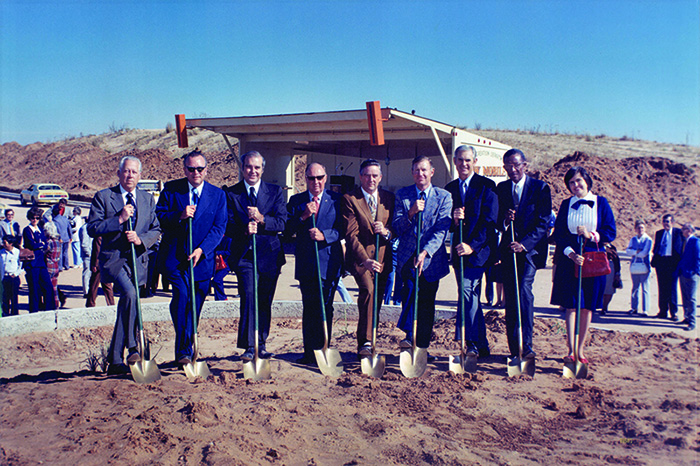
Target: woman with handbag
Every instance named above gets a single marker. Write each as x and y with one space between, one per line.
639 249
41 295
584 221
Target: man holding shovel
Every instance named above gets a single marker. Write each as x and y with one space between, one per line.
314 217
475 211
189 202
112 210
524 207
434 206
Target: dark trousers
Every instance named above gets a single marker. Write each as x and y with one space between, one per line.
10 296
667 280
125 328
217 283
474 323
40 289
181 310
526 277
266 293
426 305
312 320
365 304
94 286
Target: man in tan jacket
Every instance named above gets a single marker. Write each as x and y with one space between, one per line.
368 211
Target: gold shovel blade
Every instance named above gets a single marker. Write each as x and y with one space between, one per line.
581 370
144 371
329 362
455 365
196 369
569 371
373 366
514 367
413 362
257 369
575 370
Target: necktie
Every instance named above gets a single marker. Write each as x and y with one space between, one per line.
581 202
318 205
253 198
195 197
463 186
130 201
516 196
373 207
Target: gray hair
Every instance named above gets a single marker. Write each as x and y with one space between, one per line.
77 210
129 157
50 230
465 148
688 226
252 153
306 171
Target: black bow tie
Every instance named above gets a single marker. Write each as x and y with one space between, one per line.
581 202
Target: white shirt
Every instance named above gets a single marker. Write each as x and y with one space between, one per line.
198 189
373 195
9 262
585 215
256 188
124 192
669 243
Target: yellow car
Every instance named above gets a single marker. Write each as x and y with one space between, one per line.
42 194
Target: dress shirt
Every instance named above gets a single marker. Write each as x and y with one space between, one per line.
10 262
198 189
668 249
585 215
256 188
124 192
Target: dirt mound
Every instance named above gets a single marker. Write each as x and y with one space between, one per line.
638 188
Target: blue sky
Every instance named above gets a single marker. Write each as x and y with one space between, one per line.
621 68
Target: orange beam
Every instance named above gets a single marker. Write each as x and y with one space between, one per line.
374 120
181 129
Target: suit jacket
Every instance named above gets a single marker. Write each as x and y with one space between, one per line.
437 217
208 226
676 243
116 250
531 218
359 235
689 264
479 225
272 205
330 222
606 228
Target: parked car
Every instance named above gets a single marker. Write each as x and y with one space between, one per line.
42 194
154 187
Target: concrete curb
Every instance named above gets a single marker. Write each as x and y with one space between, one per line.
50 321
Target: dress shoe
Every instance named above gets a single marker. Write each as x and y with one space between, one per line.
632 311
133 357
569 359
117 369
365 350
264 354
683 322
431 358
406 344
530 355
472 353
184 360
248 355
306 360
690 328
660 316
603 312
674 319
484 352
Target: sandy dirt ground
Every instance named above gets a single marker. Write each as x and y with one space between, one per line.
639 404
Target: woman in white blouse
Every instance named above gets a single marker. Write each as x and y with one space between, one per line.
639 249
588 218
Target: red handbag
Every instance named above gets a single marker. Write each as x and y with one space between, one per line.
220 262
595 264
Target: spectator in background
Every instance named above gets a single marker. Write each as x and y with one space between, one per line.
53 259
64 233
38 279
613 280
639 249
668 243
221 269
85 253
12 268
95 278
9 226
689 274
75 223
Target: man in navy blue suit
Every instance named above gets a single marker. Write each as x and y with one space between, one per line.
689 274
205 204
474 201
432 262
324 206
255 208
668 243
527 203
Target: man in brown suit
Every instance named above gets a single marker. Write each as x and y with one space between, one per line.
367 211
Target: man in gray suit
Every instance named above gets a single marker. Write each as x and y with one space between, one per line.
109 218
432 262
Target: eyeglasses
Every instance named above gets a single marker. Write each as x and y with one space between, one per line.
509 166
198 169
37 217
317 178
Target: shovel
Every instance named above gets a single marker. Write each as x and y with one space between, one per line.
577 369
145 370
328 359
462 363
375 364
518 365
195 368
258 368
413 361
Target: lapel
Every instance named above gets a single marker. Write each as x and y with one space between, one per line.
203 200
324 209
364 207
382 213
430 207
527 187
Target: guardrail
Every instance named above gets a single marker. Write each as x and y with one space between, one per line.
11 195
